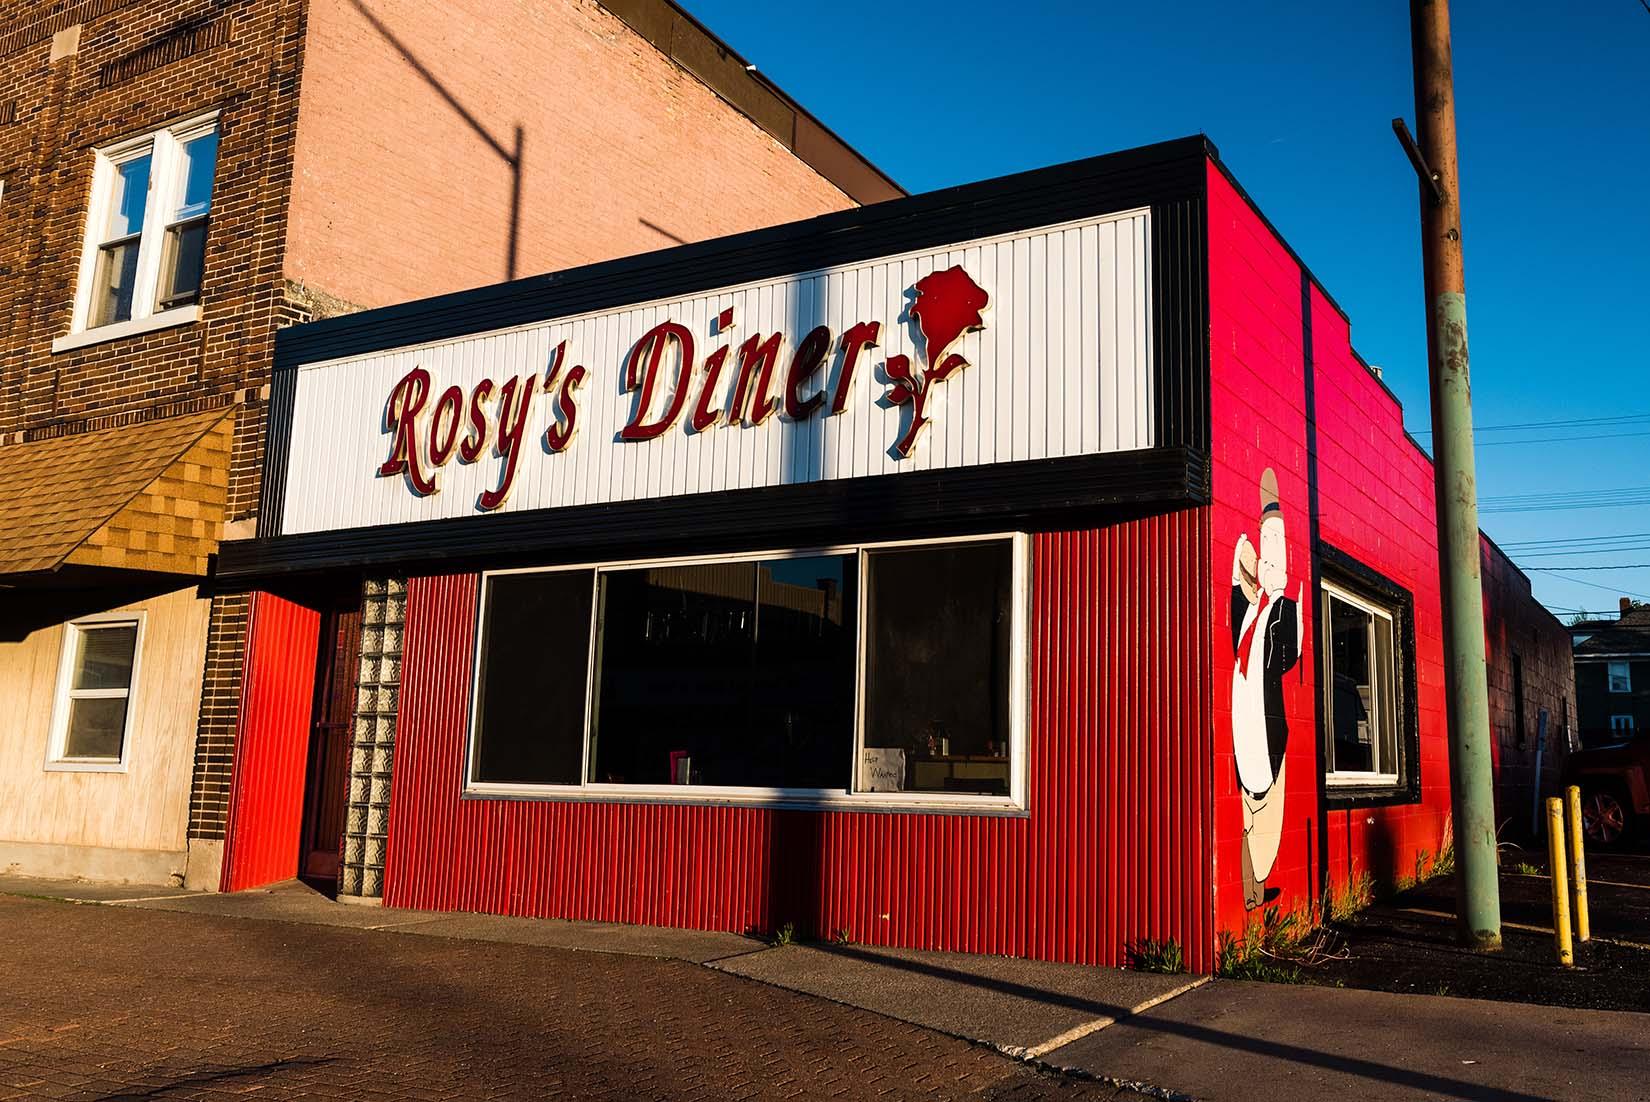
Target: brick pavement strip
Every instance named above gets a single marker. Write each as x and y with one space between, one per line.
99 1004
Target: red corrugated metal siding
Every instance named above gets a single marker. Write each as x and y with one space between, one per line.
266 801
1115 846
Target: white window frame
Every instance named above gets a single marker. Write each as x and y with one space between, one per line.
1622 723
817 798
165 181
1379 693
64 695
1624 670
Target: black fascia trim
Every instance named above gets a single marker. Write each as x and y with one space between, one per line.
1347 571
1040 493
1155 174
277 431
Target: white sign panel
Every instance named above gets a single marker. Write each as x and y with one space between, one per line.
1028 346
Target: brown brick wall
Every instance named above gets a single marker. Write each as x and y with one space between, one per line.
1517 626
242 59
220 713
622 150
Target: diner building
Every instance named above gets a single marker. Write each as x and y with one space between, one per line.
1027 567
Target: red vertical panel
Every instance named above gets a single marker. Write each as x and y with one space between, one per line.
1113 847
266 799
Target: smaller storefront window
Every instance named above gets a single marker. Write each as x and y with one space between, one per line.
535 651
938 660
757 678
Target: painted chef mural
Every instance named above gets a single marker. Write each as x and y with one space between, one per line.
1268 628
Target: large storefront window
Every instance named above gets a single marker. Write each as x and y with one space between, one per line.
728 674
771 678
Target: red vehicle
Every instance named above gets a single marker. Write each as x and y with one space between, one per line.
1615 789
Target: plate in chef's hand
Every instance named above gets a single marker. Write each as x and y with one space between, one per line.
1246 571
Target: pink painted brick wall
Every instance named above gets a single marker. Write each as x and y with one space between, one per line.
1375 495
1257 406
397 197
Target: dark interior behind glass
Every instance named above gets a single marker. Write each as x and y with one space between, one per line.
730 674
937 676
535 648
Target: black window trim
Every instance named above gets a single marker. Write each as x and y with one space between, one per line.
1346 572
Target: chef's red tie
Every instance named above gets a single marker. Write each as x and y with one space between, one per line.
1249 636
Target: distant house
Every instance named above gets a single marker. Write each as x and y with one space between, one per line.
1613 674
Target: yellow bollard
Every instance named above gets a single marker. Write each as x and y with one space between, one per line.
1560 881
1578 862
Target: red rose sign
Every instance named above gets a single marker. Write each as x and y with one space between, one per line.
948 305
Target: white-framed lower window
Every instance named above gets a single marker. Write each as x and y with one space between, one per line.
1362 690
96 685
865 675
1621 723
146 223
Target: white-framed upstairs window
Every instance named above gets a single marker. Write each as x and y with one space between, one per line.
96 686
1363 702
1620 675
146 226
889 675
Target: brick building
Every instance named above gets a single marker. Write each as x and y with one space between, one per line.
1532 692
179 179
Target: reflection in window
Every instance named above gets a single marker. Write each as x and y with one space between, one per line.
98 692
736 674
1362 691
185 252
937 676
115 277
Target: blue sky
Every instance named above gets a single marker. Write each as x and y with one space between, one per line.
1553 107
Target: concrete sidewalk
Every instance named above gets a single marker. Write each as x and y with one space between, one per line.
1170 1036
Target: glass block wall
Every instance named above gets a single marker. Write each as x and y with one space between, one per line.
366 821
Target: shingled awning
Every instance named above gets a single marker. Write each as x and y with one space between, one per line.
145 497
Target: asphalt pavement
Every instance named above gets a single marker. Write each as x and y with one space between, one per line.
622 1011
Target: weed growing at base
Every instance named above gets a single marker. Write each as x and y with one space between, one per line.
1152 955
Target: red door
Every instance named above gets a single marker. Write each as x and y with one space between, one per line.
326 789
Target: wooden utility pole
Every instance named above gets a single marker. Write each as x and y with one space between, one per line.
1478 891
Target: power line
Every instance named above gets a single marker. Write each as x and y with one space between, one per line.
1595 585
1619 418
1563 507
1571 540
1560 439
1570 493
1616 566
1586 551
